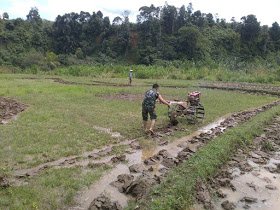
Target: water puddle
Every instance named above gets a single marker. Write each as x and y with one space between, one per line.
108 131
257 189
103 186
261 180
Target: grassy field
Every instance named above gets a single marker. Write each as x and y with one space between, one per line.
60 121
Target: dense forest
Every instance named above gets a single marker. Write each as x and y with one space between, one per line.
160 35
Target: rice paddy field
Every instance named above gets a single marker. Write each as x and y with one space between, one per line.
66 116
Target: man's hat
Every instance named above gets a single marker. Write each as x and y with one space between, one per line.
130 70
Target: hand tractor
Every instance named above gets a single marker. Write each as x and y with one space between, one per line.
191 109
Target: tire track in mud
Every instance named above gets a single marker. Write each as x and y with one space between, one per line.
134 179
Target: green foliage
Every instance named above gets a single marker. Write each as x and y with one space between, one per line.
267 146
161 34
52 189
192 43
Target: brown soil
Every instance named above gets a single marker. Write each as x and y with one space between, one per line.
124 96
9 109
252 178
94 83
134 179
244 87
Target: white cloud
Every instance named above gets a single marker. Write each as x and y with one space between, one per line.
20 8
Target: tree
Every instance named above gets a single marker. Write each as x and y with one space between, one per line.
250 29
250 32
182 17
5 16
274 33
148 25
191 43
198 19
66 33
33 16
168 19
210 19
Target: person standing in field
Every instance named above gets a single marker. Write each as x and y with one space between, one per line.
130 76
149 105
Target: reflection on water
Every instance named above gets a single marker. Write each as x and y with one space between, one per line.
260 178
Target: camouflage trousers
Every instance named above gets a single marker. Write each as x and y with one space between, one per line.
148 110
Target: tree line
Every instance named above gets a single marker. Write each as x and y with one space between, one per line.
160 34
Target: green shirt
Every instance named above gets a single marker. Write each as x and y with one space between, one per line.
150 98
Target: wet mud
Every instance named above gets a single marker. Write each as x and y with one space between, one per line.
147 167
87 159
94 83
9 109
251 180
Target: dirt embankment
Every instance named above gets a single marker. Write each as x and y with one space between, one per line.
244 87
9 108
251 180
94 83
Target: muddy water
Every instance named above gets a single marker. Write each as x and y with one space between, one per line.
259 177
174 147
108 131
103 185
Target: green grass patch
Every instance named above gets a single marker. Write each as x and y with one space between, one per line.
60 119
177 191
52 189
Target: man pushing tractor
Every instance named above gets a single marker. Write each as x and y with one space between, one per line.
148 107
192 109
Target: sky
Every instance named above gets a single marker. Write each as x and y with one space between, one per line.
267 12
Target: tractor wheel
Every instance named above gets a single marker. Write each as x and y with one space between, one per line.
174 111
200 112
195 114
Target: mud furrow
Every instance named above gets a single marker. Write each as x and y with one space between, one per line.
145 172
251 179
250 88
97 156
